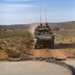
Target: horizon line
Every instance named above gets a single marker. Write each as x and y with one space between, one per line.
36 22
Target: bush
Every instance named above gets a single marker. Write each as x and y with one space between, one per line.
16 43
12 53
1 48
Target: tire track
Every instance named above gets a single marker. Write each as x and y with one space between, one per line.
49 53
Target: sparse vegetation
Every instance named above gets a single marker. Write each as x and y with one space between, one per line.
57 29
66 40
15 43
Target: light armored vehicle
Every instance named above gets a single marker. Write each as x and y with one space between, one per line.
43 37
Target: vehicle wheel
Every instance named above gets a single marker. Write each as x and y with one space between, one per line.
36 46
52 44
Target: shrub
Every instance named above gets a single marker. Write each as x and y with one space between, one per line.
16 43
12 53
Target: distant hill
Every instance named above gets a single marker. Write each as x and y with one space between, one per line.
61 25
15 26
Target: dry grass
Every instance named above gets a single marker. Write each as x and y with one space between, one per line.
66 40
13 43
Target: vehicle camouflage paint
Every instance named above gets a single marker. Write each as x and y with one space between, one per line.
43 37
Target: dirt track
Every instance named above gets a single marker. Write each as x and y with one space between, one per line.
49 53
61 48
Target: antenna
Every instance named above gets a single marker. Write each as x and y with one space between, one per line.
46 15
40 16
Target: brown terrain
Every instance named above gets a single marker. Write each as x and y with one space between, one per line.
49 53
56 53
64 41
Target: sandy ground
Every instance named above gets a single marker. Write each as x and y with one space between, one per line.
49 53
32 68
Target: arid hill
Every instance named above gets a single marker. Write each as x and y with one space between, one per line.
61 25
15 27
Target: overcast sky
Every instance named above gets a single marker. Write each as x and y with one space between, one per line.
28 11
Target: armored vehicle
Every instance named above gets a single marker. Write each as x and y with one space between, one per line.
43 36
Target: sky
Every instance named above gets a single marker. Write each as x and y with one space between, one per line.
28 11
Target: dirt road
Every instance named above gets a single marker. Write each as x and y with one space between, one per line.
49 53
